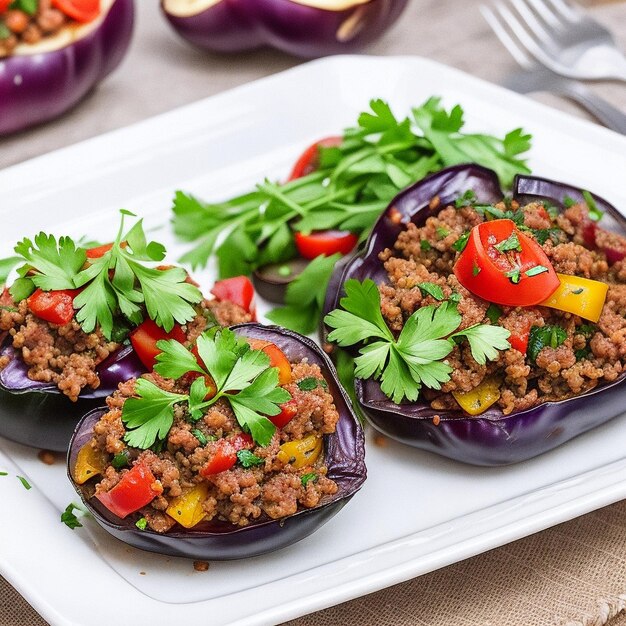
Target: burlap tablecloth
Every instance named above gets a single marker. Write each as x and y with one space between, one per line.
571 575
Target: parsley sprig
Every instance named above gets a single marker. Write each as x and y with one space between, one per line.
119 283
242 376
415 358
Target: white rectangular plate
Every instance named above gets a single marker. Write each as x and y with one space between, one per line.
417 512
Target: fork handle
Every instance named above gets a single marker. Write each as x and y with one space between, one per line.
605 113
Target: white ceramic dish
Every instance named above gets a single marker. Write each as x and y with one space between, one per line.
416 512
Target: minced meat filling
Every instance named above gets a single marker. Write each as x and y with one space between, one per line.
272 489
589 354
68 357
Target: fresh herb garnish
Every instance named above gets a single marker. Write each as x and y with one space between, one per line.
441 232
242 377
595 213
415 358
305 296
118 283
4 473
514 275
467 199
142 523
568 202
120 460
310 383
544 336
200 436
586 329
25 483
6 265
432 289
28 6
534 271
305 479
461 242
476 269
68 517
425 245
249 459
578 291
582 353
510 243
493 313
543 234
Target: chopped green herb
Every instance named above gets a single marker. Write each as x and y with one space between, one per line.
578 291
431 289
475 269
68 517
142 523
494 313
582 353
200 436
510 243
534 271
455 297
310 383
595 213
586 329
543 234
514 275
467 199
7 265
4 473
542 337
461 242
425 245
5 33
25 483
415 358
442 232
120 460
305 479
28 6
568 202
248 459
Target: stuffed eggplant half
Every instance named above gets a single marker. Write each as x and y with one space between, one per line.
53 52
241 445
488 329
79 320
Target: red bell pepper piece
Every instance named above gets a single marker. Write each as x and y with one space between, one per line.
288 411
225 454
144 339
56 307
238 290
136 488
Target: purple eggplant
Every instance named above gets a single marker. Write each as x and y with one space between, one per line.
492 438
38 415
344 457
42 81
305 28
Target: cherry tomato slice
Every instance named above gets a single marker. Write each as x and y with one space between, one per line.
308 161
144 339
288 411
325 242
277 358
136 488
225 454
501 277
79 10
238 290
56 307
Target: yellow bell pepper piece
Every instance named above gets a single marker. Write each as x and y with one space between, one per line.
187 509
580 296
301 452
479 399
89 463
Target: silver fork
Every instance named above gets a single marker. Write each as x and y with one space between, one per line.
564 38
538 78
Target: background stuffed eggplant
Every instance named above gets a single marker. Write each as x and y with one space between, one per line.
490 438
42 81
343 455
306 28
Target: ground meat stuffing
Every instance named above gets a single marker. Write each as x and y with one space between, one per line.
587 354
68 357
276 486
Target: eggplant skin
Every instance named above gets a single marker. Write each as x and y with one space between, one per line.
304 31
218 541
37 88
491 439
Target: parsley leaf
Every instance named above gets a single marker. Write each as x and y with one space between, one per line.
461 242
415 359
6 266
68 517
249 459
534 271
544 336
310 383
493 313
595 212
305 479
510 243
432 289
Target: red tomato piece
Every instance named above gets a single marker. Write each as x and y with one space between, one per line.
136 488
225 454
79 10
144 339
56 307
501 277
277 358
4 5
325 242
288 411
519 340
98 251
308 161
238 290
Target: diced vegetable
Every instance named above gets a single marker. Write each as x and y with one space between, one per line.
56 307
580 296
301 452
144 340
225 454
325 242
80 10
479 399
238 290
277 359
288 411
89 463
187 509
137 487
